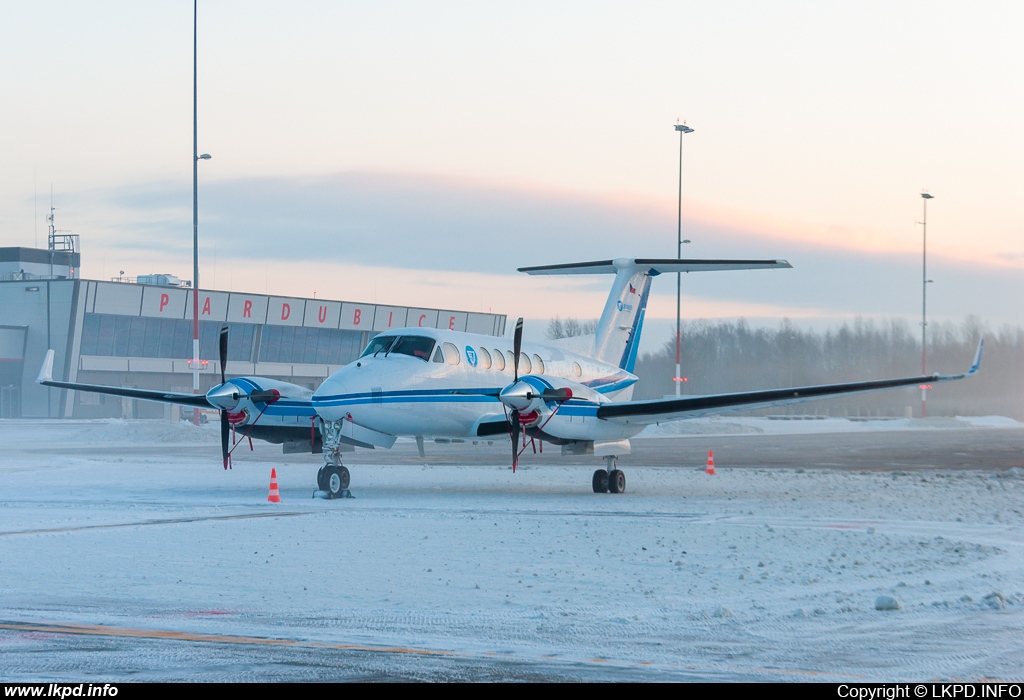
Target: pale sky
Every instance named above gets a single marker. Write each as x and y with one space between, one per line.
360 147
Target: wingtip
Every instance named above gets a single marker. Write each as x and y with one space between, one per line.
46 371
976 365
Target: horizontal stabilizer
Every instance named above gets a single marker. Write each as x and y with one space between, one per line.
654 266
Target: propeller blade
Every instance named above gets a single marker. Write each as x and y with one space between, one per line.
517 345
516 427
225 431
223 351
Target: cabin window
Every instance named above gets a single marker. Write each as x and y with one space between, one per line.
576 369
414 346
451 354
524 364
485 358
381 342
511 359
438 357
538 364
499 360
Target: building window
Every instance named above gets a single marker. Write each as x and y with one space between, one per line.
90 334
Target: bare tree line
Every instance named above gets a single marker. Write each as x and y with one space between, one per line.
722 356
570 327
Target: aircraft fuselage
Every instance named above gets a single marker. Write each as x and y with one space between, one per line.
446 386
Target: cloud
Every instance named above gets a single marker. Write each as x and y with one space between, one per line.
386 221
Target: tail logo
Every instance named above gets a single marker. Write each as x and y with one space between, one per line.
623 307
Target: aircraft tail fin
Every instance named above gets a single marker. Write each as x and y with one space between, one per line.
617 340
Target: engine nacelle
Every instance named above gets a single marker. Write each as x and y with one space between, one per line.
573 419
240 392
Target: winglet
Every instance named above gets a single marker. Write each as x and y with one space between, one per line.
46 371
976 365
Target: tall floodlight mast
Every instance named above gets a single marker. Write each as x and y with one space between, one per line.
924 300
678 380
195 212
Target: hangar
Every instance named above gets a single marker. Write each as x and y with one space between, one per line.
124 333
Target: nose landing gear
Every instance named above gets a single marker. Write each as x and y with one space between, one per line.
333 478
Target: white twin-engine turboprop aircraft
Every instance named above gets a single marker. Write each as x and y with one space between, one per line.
421 382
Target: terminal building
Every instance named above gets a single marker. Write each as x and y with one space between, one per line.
129 334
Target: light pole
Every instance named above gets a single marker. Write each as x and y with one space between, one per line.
924 299
682 129
195 211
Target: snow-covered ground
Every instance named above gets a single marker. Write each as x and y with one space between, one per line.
749 574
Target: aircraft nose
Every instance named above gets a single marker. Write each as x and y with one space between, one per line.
332 387
328 399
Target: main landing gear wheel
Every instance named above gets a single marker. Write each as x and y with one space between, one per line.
600 481
321 479
337 479
617 481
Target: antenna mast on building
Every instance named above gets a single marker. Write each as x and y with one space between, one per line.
59 241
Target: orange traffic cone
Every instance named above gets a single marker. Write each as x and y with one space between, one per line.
711 464
274 496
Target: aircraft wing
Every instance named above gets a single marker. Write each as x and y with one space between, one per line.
661 410
46 379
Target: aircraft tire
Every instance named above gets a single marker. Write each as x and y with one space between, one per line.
617 481
600 481
321 478
337 478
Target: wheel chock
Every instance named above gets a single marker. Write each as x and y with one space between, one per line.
345 493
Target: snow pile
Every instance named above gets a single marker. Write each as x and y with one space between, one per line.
152 431
887 602
990 422
701 426
792 425
109 431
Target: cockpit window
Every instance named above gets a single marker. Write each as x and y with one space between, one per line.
413 345
378 344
